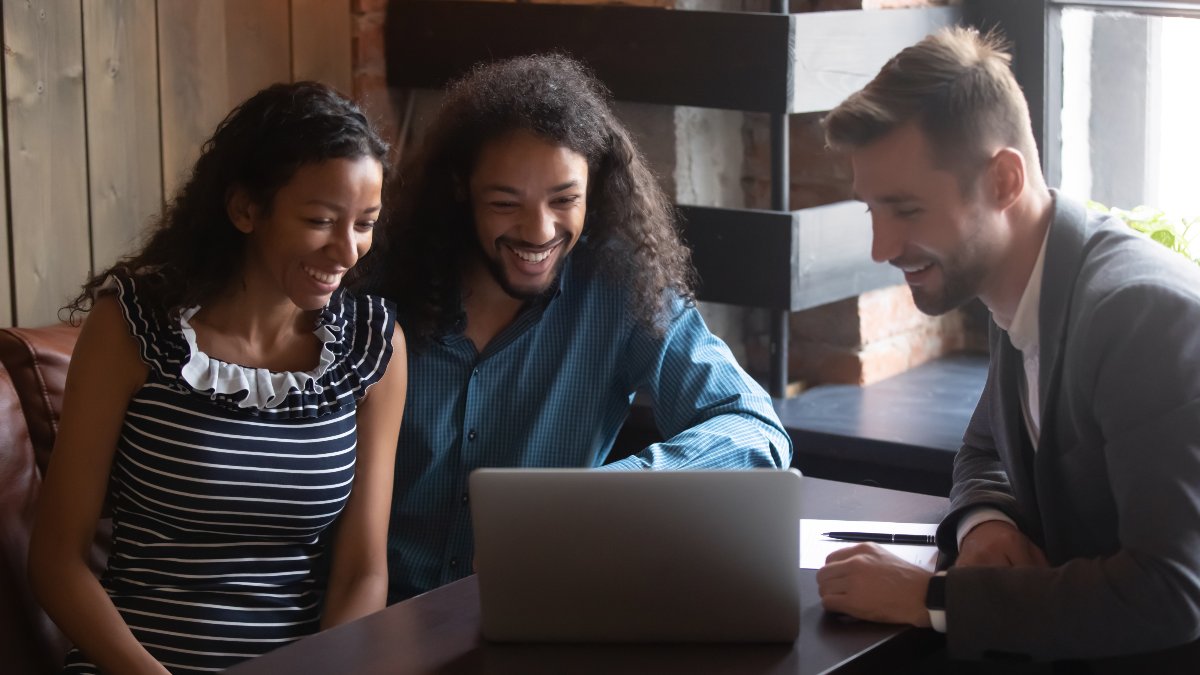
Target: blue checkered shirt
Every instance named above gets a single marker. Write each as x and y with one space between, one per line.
552 390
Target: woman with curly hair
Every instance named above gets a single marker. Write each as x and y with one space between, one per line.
540 278
218 400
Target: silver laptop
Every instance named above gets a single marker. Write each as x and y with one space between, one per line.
574 555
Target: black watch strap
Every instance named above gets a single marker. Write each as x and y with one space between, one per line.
935 595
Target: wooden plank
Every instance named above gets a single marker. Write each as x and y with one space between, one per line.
5 260
258 45
732 60
193 82
321 43
124 148
783 260
834 256
837 53
47 155
743 256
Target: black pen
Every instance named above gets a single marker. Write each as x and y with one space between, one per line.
926 539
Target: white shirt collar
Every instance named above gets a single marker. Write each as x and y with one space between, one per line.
1024 329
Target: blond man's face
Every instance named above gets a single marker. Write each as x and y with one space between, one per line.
944 241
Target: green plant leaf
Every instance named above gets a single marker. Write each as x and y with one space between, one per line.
1181 235
1164 237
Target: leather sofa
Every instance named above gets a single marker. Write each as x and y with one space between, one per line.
33 370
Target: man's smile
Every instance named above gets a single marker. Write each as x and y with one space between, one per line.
530 259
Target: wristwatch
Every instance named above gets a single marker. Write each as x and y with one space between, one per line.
935 601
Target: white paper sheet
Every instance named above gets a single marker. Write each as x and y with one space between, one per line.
814 548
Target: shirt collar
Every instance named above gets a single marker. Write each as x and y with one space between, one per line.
1024 329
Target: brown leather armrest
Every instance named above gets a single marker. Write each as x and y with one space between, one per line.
36 360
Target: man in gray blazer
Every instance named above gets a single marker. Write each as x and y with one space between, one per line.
1075 511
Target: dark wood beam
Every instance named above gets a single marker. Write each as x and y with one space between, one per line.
783 260
732 60
743 256
781 63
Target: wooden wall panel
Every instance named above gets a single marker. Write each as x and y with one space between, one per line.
193 81
47 154
107 104
125 159
321 33
838 53
833 248
258 45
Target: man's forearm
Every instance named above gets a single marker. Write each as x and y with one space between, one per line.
729 441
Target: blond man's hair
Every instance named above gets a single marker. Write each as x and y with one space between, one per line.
957 85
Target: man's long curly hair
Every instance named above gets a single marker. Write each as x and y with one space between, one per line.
630 227
194 251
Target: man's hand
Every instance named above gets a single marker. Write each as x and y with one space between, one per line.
867 582
995 543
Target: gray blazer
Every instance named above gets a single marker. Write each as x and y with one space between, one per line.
1112 495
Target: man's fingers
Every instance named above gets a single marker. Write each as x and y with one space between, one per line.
982 557
834 572
837 602
1019 557
833 579
1036 556
999 544
835 587
847 553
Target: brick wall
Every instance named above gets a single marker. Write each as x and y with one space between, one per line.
384 106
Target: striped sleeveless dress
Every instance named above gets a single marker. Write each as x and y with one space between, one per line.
224 485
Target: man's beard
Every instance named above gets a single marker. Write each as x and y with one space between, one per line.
961 279
496 268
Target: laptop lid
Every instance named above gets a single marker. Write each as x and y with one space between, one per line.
576 555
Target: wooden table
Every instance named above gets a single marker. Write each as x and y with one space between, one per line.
438 632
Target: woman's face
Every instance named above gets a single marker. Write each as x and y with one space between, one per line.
319 224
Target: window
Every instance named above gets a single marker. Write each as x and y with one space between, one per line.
1130 133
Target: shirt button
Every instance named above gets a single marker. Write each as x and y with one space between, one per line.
465 499
475 372
471 435
453 563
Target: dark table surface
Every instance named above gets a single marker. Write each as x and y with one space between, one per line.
927 407
438 632
901 432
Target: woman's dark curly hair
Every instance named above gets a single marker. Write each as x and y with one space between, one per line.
630 224
194 251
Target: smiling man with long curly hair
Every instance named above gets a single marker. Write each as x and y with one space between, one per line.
542 282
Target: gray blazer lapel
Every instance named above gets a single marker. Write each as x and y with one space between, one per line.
1064 255
1013 437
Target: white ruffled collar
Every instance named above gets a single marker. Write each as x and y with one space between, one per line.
264 388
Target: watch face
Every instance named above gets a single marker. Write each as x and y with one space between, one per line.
935 596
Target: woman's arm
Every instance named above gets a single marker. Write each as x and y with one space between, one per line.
104 374
358 580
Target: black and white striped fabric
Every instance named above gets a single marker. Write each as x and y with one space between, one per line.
220 507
